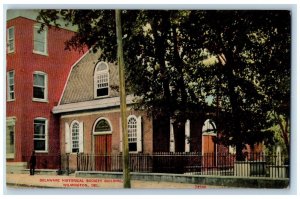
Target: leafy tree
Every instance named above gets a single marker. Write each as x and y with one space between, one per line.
155 52
253 74
176 60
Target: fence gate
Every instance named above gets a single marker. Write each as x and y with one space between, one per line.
102 148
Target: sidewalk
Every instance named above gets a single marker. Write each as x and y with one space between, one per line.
56 181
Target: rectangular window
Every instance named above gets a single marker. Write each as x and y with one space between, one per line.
10 85
10 39
40 135
10 138
40 41
40 86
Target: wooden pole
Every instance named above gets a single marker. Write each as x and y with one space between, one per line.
126 171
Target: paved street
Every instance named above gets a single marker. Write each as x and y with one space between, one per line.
51 181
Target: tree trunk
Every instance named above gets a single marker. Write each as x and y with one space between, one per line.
233 98
160 46
284 131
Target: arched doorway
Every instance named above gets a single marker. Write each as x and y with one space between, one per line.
209 148
102 133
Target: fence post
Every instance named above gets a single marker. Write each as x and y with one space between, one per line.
67 154
77 161
59 169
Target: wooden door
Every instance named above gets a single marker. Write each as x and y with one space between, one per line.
102 148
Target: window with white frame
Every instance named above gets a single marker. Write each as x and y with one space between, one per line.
40 91
39 40
134 128
10 138
11 85
132 133
102 126
10 39
40 137
75 137
101 80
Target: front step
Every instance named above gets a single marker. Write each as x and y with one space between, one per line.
15 167
44 171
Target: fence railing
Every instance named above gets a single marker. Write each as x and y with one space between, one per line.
192 163
44 161
221 164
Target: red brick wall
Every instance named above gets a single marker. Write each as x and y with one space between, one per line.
24 62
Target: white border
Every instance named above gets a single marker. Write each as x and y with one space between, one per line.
184 4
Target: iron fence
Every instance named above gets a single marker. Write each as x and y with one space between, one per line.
192 163
221 164
45 161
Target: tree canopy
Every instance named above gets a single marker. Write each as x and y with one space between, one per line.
182 62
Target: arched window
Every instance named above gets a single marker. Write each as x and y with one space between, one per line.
75 137
102 126
209 128
132 133
134 128
101 80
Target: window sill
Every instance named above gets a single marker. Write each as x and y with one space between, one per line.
10 156
40 151
10 52
40 53
11 100
99 97
40 100
134 152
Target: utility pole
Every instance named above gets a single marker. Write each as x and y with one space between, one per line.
126 172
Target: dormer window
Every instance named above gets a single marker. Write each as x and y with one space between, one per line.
101 80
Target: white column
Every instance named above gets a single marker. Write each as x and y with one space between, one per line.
172 140
67 138
139 134
187 133
81 150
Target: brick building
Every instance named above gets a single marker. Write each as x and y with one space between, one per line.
89 111
63 102
37 66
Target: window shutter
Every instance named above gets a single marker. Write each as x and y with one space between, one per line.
187 136
139 134
121 135
67 138
81 137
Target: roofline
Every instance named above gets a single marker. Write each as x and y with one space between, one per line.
31 14
94 104
70 71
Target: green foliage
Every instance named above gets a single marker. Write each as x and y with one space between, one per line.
176 60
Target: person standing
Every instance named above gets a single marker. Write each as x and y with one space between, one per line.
32 163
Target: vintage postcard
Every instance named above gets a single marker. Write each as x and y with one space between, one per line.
148 98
